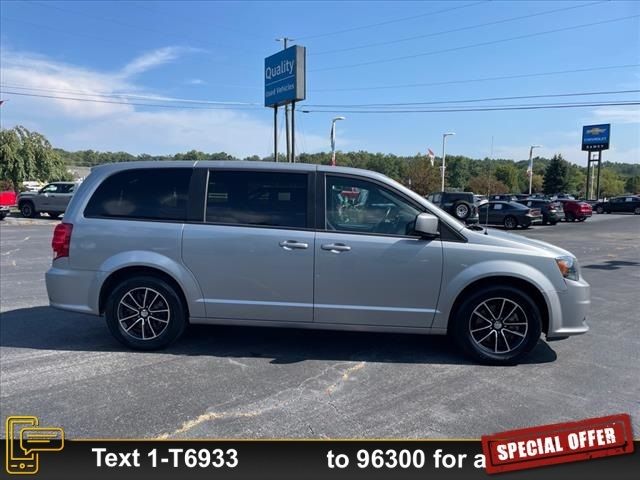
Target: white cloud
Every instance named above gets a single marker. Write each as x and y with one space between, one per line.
76 125
618 114
152 59
195 81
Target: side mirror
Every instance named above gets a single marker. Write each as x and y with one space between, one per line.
427 224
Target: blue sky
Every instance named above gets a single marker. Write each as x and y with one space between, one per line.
214 51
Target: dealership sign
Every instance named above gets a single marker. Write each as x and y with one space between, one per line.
596 137
284 77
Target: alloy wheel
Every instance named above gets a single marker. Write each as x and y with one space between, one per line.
498 326
143 313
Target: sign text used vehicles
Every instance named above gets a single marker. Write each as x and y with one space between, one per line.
154 246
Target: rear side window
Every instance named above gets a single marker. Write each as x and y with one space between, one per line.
154 194
270 199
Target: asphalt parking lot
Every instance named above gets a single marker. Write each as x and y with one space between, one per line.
233 382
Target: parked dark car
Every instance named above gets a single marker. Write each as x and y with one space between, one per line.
628 203
509 214
461 205
552 212
576 210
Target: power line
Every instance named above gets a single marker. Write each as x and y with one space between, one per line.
522 97
387 22
474 80
461 29
475 45
486 108
157 105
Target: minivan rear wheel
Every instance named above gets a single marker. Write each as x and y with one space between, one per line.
145 313
497 325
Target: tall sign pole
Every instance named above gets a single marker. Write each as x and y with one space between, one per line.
284 84
595 139
275 133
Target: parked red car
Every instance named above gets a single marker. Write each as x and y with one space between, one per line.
576 210
7 200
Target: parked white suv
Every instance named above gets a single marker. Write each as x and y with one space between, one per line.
154 246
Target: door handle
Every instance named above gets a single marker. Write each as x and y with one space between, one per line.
335 247
292 244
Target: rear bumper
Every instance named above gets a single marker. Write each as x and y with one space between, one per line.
74 290
574 305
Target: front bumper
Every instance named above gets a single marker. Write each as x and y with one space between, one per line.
573 306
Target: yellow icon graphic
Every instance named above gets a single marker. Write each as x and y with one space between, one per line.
25 441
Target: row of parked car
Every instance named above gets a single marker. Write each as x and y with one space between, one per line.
512 211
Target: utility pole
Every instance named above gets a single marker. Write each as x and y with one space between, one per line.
285 42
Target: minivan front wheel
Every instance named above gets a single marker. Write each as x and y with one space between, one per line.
497 325
145 313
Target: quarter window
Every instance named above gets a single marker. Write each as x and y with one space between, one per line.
155 194
257 198
359 206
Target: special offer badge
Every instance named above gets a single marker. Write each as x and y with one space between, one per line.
558 443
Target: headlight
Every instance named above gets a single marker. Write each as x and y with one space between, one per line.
568 267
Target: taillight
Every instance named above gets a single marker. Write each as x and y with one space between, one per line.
61 240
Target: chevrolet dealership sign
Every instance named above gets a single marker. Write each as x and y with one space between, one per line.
284 77
596 137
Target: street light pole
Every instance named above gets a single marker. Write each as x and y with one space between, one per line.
531 165
333 139
444 156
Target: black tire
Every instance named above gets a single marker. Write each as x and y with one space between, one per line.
28 210
636 211
131 291
599 210
510 222
461 210
582 219
608 212
570 217
511 346
553 223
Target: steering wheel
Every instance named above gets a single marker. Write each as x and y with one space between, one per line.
389 224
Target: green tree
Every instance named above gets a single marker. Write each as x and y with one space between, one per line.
576 180
611 184
486 185
421 177
632 185
507 174
26 155
555 176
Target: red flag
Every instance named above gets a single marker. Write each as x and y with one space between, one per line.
431 156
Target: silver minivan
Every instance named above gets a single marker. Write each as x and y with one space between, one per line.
154 246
